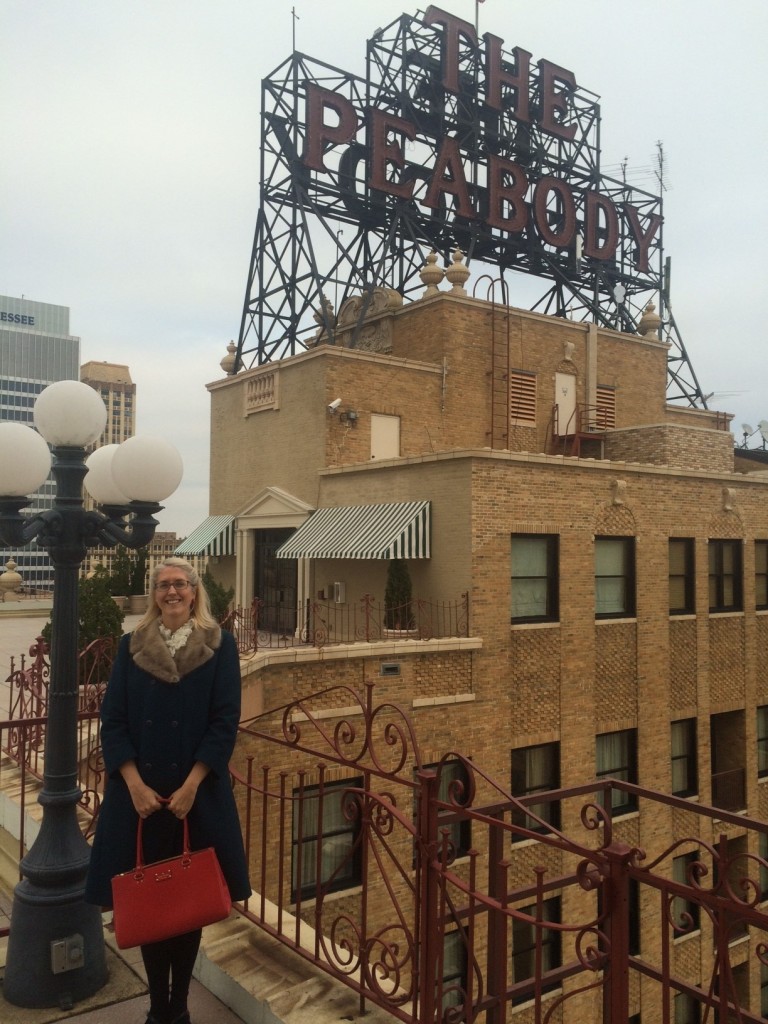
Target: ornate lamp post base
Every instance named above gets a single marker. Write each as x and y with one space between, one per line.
55 949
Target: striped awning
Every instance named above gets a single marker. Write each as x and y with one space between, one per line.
395 530
214 536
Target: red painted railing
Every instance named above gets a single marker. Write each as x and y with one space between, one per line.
433 893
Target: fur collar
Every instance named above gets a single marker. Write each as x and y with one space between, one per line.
151 654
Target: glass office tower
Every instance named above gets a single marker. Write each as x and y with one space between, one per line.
36 349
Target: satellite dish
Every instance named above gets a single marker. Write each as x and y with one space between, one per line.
762 426
746 429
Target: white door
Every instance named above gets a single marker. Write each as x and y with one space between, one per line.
565 399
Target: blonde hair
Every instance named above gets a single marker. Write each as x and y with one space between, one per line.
201 607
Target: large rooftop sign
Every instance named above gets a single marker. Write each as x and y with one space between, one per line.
450 138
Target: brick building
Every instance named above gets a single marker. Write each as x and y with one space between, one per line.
614 550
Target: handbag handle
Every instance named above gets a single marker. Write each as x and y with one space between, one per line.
140 845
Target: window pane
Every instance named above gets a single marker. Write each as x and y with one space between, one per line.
677 594
609 557
677 561
529 556
610 595
529 598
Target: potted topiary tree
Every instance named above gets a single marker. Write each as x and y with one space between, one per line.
137 582
398 612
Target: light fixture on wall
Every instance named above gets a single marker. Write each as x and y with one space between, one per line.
349 416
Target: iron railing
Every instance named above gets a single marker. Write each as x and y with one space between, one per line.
433 893
322 623
361 863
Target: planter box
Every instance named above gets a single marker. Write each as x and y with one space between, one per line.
138 604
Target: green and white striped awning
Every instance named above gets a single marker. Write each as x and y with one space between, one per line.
214 536
395 530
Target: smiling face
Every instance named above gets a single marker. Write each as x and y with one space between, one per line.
175 603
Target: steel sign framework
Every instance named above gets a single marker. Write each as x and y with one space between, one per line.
448 140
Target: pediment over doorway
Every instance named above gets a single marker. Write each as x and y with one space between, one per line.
273 508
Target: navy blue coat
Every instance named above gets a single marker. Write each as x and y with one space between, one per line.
166 715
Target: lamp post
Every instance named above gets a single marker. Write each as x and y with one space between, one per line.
56 945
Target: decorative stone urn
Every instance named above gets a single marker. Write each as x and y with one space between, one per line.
10 582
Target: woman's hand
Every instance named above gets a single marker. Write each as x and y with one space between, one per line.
181 800
145 800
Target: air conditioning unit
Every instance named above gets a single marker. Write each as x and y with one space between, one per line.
340 593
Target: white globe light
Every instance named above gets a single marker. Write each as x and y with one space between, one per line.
25 460
147 468
70 413
99 481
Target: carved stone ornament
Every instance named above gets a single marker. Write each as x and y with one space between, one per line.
728 496
568 349
650 322
457 273
431 275
619 489
228 362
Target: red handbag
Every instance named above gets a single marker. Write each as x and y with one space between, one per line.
169 897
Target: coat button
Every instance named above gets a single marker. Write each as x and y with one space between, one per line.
148 721
174 724
147 764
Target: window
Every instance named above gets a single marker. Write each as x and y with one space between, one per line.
616 757
454 969
687 1009
685 912
762 741
535 770
761 574
318 818
522 398
762 852
725 594
534 578
684 769
682 592
460 832
614 577
524 940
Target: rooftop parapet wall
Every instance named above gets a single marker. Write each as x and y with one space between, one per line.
668 444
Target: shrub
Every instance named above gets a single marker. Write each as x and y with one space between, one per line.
217 595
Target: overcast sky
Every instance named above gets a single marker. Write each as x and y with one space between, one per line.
130 161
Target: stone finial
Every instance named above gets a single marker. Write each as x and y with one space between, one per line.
619 488
228 362
650 322
10 581
431 275
457 273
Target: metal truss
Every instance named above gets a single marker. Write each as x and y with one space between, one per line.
323 236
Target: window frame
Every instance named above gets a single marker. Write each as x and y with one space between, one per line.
688 576
681 905
347 879
551 580
461 831
761 724
523 945
690 756
761 575
719 575
621 803
628 575
521 786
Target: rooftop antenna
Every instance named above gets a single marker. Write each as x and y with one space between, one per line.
295 18
660 167
747 432
477 15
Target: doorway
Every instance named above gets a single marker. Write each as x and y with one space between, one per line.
275 582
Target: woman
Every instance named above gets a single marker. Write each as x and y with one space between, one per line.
168 726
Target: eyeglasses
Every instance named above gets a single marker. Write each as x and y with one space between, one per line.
178 585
